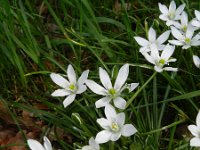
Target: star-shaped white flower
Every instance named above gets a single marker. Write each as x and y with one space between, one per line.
195 130
185 40
113 126
159 61
145 44
111 92
35 145
93 145
171 15
196 60
69 87
184 23
196 21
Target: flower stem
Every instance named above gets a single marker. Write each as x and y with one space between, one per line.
112 145
140 89
165 127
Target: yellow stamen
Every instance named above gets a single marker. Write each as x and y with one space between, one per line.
115 127
162 61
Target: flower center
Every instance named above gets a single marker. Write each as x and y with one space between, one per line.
114 127
171 15
72 87
184 28
187 40
162 61
112 92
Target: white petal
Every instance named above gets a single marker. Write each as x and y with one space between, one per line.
132 86
141 41
154 52
172 60
71 74
195 43
158 69
60 92
176 33
163 17
197 14
176 42
81 88
169 22
59 80
103 136
87 147
119 102
167 52
68 100
196 61
186 46
104 123
128 130
163 37
177 25
105 79
122 76
47 143
196 38
82 79
172 6
34 145
195 142
148 58
180 9
170 69
196 23
144 49
152 35
161 47
120 119
102 102
184 18
115 136
96 88
198 119
194 130
94 144
110 112
190 32
163 8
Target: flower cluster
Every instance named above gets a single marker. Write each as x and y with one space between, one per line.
156 51
114 124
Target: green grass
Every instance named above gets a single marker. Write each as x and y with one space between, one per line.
40 37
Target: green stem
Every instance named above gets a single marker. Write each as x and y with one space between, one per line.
112 145
140 89
165 127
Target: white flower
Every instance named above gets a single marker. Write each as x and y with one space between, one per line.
184 23
195 130
171 15
196 60
161 60
185 40
196 21
110 92
69 87
35 145
93 145
152 40
113 126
